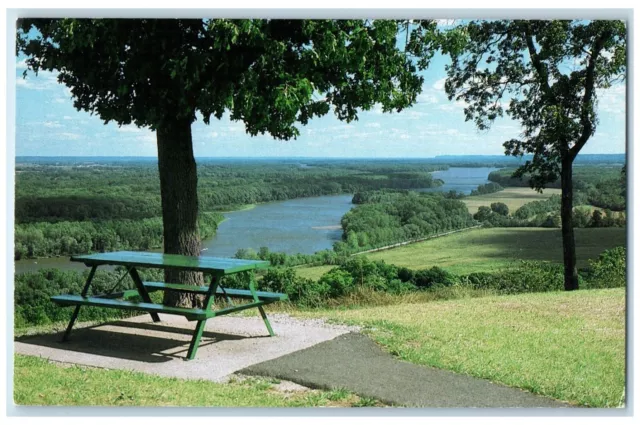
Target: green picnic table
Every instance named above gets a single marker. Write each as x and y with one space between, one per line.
215 267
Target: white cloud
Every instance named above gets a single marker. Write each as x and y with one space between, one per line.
427 98
612 100
45 80
416 114
59 100
67 117
439 85
52 124
69 136
21 64
445 22
372 125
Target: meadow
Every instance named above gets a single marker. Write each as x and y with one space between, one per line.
487 250
513 197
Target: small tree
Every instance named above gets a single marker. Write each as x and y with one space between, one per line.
500 208
550 72
483 214
269 74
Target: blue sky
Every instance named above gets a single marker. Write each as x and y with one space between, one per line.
47 124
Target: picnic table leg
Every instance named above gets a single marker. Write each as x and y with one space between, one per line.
252 287
197 333
76 311
142 291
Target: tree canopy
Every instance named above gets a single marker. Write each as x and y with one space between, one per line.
270 74
550 71
544 74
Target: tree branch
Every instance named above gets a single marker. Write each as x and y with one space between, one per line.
587 124
543 75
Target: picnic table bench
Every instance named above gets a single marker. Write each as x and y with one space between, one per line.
215 267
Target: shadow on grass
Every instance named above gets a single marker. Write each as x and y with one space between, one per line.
103 340
525 244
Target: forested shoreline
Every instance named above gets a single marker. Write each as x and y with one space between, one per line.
77 208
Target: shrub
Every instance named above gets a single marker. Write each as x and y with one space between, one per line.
338 282
483 214
609 270
500 208
528 276
33 305
435 276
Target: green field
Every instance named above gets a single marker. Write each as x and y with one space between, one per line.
513 197
486 250
566 345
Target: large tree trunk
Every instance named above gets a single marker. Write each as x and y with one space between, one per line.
178 188
566 212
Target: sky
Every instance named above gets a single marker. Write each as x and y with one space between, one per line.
47 124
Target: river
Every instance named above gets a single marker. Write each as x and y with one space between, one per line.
304 225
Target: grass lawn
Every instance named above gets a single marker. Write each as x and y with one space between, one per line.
497 248
513 197
486 250
566 345
39 382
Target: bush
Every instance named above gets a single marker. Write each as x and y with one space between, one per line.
33 291
483 214
608 271
529 276
500 208
338 283
435 276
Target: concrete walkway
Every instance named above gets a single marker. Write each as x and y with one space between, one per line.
228 344
354 362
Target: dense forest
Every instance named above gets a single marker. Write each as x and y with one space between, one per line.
387 217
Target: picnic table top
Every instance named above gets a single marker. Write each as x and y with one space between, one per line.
160 260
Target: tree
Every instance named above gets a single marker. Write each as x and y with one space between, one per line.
550 73
483 214
269 74
500 208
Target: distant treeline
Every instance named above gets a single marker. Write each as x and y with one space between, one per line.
485 189
33 240
599 186
78 193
